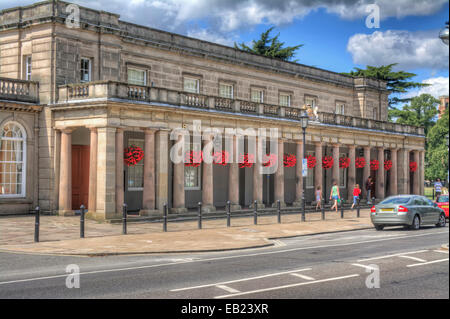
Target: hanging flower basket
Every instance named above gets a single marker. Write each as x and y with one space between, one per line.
344 162
246 160
221 158
360 162
413 166
289 160
327 162
133 155
269 160
374 165
387 165
193 159
311 161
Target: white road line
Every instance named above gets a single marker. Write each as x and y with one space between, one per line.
429 262
223 258
303 276
363 266
286 286
413 258
239 280
229 289
441 251
394 255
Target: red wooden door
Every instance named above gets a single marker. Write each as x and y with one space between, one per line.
80 176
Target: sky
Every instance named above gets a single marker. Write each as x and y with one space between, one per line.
334 33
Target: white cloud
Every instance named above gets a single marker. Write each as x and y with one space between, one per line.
411 50
438 86
209 36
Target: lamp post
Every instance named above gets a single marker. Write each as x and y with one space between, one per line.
443 35
304 123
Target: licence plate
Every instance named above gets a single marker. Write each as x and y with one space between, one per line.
387 210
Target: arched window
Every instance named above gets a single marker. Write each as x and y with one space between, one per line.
12 160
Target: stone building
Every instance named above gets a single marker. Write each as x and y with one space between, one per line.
443 105
73 97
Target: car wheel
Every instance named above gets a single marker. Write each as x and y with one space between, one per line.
379 227
416 223
442 221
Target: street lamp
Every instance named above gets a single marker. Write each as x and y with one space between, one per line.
304 124
443 35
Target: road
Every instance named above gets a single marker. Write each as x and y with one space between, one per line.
410 265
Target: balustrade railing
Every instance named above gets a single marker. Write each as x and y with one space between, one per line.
19 90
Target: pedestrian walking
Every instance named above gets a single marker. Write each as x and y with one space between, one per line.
318 197
369 184
438 187
356 193
335 196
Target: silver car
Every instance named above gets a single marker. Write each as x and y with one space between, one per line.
410 211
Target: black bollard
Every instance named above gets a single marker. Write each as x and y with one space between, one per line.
37 223
322 208
342 209
124 219
279 211
358 210
199 215
82 221
165 218
228 214
255 213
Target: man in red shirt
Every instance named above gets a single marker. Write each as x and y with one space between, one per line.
356 193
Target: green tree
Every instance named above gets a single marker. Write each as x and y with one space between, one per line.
421 111
397 82
270 47
436 157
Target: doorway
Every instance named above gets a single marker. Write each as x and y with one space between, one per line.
80 176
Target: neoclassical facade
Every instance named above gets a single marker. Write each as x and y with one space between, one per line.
73 99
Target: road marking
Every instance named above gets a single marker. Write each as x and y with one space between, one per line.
286 286
394 255
429 262
229 289
441 251
413 258
223 258
363 266
303 276
239 280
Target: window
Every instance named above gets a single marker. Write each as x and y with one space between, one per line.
28 67
310 101
310 177
343 174
12 160
285 100
257 96
136 172
192 177
191 85
137 77
226 90
85 69
340 108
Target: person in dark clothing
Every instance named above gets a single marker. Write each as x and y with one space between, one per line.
369 185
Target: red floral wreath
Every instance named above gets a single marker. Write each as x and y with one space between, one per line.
269 160
387 165
374 165
221 158
327 162
360 162
289 160
311 161
193 158
344 162
413 166
133 155
246 160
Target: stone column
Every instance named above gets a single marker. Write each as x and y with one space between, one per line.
119 171
416 175
179 205
352 172
148 195
366 171
422 172
380 174
65 174
162 169
208 177
335 176
258 176
92 201
279 175
393 178
318 179
233 178
298 173
403 171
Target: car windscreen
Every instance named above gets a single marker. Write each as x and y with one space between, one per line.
443 199
396 201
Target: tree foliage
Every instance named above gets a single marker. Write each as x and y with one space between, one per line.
436 157
397 82
270 47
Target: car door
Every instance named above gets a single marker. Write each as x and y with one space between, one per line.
428 211
435 211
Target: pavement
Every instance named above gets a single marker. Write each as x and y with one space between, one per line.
60 235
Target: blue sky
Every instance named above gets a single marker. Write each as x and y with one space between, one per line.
333 32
